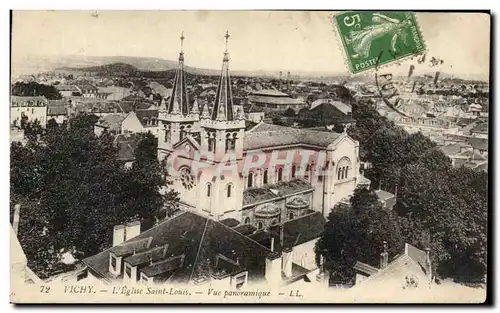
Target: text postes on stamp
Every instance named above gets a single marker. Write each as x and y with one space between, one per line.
372 39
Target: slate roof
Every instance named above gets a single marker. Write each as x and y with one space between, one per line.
56 110
342 107
384 195
452 149
67 88
295 232
478 143
266 193
269 135
145 115
111 121
480 128
196 240
365 268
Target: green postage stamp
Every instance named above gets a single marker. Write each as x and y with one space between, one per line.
372 39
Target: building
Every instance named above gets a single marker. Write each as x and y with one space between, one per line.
32 108
327 112
88 90
408 271
68 90
141 121
57 110
196 250
111 123
240 226
274 100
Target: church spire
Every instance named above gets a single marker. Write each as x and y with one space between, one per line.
223 109
179 102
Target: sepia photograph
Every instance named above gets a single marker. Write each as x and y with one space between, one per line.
294 157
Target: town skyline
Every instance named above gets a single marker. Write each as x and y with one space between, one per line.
155 34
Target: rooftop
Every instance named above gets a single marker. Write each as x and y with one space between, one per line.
267 193
193 246
268 135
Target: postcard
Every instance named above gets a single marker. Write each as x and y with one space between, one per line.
249 156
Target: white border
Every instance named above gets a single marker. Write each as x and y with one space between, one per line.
199 4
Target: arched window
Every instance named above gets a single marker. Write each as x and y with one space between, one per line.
250 180
183 133
228 142
280 174
294 169
167 135
229 189
308 170
209 189
247 220
260 225
343 168
265 178
290 216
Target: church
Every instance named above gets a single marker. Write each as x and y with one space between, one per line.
253 199
299 171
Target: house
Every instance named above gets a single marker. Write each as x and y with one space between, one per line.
68 90
480 130
387 199
192 249
274 100
410 270
141 121
88 90
31 108
126 143
111 123
57 110
113 93
327 112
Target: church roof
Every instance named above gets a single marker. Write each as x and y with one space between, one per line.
269 135
223 109
268 193
179 101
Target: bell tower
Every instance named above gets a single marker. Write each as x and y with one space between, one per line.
222 133
178 118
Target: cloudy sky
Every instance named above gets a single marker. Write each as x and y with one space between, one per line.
259 40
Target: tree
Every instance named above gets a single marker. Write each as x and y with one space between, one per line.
289 112
357 234
76 191
36 89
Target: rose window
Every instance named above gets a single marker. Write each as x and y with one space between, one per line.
186 178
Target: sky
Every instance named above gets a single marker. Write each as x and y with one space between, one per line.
260 40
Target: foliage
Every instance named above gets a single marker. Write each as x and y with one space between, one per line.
36 89
357 234
76 191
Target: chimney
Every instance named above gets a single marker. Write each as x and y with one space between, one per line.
132 230
272 244
286 261
118 235
15 222
384 257
428 264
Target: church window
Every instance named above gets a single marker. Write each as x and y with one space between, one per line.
294 169
308 170
320 178
167 135
183 133
247 220
229 190
250 180
290 216
343 168
228 142
265 178
280 174
260 225
186 178
209 190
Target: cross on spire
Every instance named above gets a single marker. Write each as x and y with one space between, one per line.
227 38
182 40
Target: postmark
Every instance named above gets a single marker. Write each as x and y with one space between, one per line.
365 34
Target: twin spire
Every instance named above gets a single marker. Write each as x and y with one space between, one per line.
223 109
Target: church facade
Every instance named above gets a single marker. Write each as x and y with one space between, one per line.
260 176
